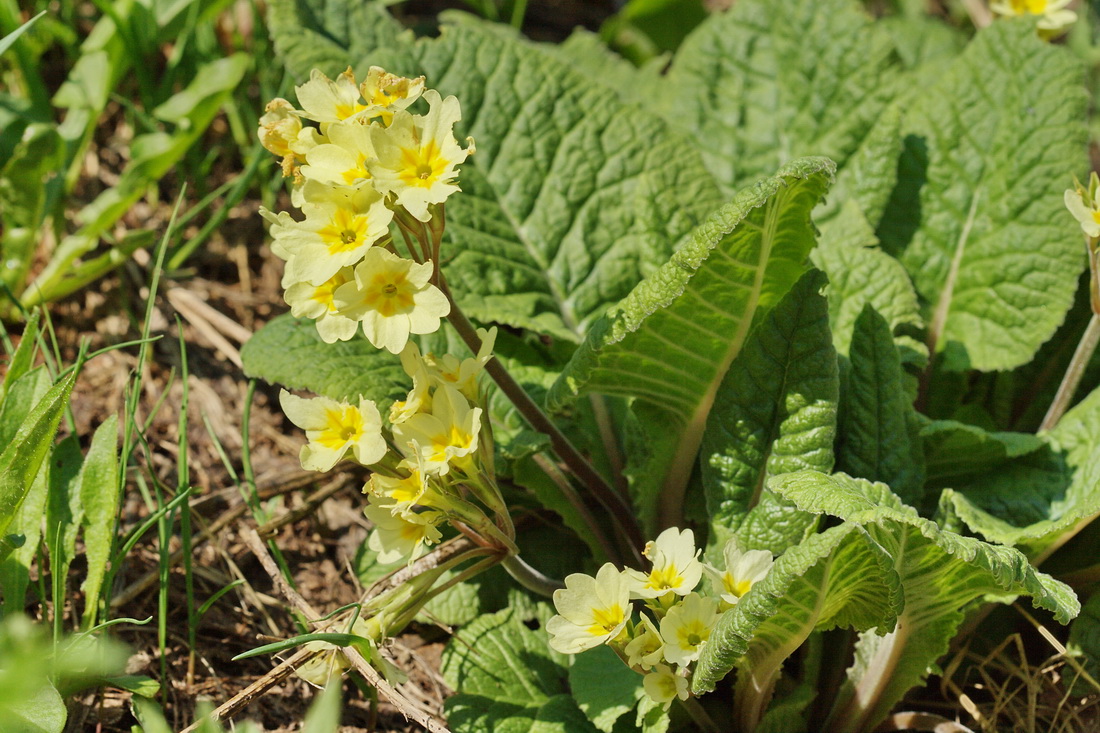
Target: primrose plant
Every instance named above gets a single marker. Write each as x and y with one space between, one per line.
804 331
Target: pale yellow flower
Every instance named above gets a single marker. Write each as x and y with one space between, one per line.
743 569
419 398
317 302
1053 15
333 428
401 494
388 92
647 648
343 158
340 224
591 611
676 566
404 536
279 127
445 437
392 298
663 685
1084 204
416 156
324 100
448 368
686 628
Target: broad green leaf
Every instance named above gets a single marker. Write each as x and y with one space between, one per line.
25 392
572 196
328 34
670 342
879 430
860 273
838 578
978 213
1030 501
955 451
587 52
499 657
941 574
509 679
288 351
771 80
22 458
604 688
870 174
99 496
775 412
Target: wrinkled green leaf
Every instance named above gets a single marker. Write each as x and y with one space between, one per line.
838 578
860 273
328 34
879 429
955 451
775 412
1029 501
978 214
603 687
670 342
941 575
772 80
288 351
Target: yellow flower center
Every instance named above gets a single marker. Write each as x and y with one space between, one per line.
345 110
323 293
342 426
692 634
604 620
665 578
422 166
1031 7
357 172
414 532
1096 216
389 293
737 588
455 438
344 232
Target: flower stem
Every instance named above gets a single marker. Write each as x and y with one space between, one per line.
620 512
530 578
1074 372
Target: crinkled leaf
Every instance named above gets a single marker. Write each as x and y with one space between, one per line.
670 342
771 80
775 412
879 431
979 211
860 273
1031 500
499 657
836 578
941 575
603 687
328 34
476 714
871 173
289 351
955 451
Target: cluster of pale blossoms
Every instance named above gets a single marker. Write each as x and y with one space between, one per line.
369 162
676 618
1053 15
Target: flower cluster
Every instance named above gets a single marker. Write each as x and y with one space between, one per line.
676 619
1053 15
370 162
